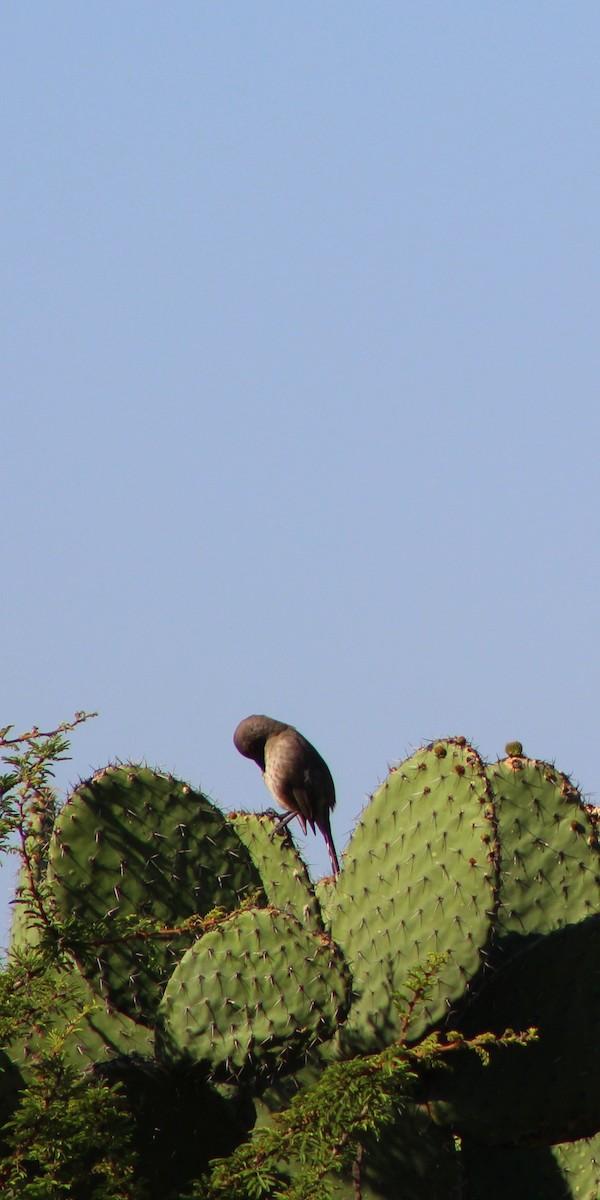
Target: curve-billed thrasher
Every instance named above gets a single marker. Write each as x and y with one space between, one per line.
294 772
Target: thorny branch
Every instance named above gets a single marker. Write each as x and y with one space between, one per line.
28 801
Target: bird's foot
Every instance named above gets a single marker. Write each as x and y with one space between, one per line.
270 813
285 821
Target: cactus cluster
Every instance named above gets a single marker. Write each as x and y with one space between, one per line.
196 951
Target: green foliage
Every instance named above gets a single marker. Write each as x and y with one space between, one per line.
28 809
322 1129
329 1127
40 996
68 1129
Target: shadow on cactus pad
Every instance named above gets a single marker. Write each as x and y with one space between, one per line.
548 1091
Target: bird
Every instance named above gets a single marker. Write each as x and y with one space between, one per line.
294 772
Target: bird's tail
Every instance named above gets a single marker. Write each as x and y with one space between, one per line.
325 827
333 856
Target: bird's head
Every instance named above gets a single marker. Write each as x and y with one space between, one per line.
251 736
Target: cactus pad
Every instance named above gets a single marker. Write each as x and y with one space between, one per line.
253 995
133 843
283 872
548 862
418 879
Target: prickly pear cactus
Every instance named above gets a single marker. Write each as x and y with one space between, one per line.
498 867
196 952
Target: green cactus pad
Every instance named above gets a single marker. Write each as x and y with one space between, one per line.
579 1164
418 879
325 891
549 863
252 996
283 872
542 968
133 843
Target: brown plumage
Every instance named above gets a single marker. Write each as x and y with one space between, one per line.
294 772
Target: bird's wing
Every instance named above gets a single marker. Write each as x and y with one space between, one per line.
298 777
304 808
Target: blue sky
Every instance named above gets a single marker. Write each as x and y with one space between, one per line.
300 381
